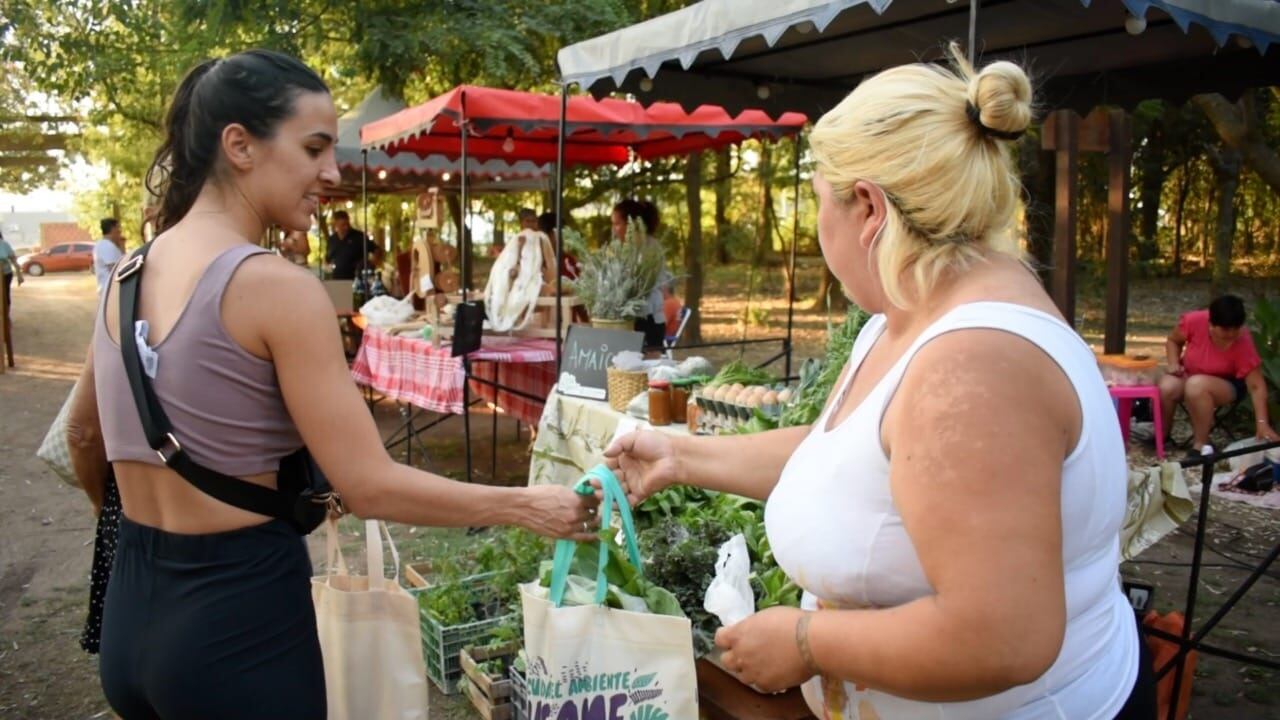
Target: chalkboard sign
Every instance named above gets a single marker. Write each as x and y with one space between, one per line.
588 353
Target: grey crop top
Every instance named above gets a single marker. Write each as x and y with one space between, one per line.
224 403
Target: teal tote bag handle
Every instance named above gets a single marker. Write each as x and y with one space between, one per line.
614 496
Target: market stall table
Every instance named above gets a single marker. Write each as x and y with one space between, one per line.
417 374
572 437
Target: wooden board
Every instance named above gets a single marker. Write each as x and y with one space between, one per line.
721 697
416 574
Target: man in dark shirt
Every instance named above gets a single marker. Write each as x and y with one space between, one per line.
346 245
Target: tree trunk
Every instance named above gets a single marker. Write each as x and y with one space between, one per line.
1184 187
829 290
693 249
1204 229
1036 168
1246 225
1226 169
764 238
722 205
1153 176
1237 124
784 251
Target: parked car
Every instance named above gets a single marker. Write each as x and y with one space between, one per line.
67 256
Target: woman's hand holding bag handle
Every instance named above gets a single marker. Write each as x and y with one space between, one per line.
613 496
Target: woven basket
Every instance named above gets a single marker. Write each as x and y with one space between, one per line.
624 385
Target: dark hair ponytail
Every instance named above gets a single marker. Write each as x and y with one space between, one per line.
255 88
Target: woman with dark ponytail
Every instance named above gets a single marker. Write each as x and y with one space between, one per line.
208 609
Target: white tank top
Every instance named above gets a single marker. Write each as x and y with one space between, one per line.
834 528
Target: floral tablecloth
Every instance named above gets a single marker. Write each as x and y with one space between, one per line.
572 437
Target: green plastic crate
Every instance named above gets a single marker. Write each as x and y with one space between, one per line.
519 694
441 644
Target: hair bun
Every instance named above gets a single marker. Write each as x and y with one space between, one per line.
1001 95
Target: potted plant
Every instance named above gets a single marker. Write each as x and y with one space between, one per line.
614 282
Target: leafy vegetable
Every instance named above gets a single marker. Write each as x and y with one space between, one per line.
449 604
738 371
758 423
775 588
628 589
813 396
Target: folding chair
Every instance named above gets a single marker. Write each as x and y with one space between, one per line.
1220 417
670 341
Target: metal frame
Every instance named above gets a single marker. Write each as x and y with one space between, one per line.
464 247
1190 640
786 341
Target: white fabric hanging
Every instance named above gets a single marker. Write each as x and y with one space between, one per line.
510 302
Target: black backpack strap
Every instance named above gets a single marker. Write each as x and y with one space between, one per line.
156 425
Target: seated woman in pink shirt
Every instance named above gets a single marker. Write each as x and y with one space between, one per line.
1213 362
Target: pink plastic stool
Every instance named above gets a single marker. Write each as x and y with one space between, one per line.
1124 395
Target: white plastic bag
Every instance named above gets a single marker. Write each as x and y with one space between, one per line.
384 310
729 595
1245 461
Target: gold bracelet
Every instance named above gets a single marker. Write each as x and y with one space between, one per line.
802 642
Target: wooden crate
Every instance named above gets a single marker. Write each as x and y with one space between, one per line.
495 687
485 706
490 694
416 574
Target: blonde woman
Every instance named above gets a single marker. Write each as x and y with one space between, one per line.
954 513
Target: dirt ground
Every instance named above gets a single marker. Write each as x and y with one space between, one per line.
46 529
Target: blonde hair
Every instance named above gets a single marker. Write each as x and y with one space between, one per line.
933 139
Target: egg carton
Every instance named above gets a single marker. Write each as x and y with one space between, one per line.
716 413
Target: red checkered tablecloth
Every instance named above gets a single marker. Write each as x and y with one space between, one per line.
413 371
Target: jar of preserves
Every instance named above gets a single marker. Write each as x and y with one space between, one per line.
659 403
680 400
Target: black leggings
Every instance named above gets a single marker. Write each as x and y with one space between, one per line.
1141 704
212 626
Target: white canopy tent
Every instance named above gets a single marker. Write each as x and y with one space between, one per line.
805 55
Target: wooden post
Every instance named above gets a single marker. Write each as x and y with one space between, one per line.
4 329
1066 194
1118 159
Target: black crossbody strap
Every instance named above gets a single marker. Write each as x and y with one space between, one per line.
156 425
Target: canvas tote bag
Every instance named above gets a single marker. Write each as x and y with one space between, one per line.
593 661
369 636
54 449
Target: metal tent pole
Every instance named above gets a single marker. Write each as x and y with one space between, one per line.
973 31
795 240
560 140
364 208
464 249
464 246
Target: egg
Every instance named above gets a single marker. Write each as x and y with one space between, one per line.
784 397
733 396
753 401
770 398
737 387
